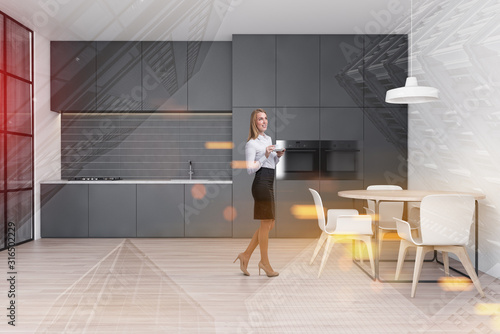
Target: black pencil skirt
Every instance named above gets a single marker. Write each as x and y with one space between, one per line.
263 194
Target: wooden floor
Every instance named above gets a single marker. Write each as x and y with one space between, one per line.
192 286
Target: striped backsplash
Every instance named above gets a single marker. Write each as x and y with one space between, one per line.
146 146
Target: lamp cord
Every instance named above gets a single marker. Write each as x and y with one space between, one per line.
411 38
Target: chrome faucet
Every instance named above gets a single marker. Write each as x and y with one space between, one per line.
190 170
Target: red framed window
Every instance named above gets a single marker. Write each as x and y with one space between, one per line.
16 131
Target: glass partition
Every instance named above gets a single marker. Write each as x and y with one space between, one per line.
16 130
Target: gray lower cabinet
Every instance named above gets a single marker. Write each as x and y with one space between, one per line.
112 210
64 210
160 210
293 216
328 189
208 210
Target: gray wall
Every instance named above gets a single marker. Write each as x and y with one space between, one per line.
145 146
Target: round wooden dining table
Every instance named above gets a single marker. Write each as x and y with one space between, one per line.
409 196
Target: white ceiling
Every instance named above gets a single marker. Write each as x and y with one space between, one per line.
205 19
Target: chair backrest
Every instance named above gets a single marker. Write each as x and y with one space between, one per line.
446 219
319 209
387 210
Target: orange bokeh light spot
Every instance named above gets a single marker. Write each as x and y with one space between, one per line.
392 236
487 309
239 164
304 211
229 213
198 191
455 283
219 145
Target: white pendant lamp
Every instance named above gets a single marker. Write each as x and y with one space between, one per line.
411 92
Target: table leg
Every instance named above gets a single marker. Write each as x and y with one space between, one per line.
476 237
376 253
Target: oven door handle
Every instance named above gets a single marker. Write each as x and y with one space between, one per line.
299 150
341 150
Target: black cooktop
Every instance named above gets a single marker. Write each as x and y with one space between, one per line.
96 178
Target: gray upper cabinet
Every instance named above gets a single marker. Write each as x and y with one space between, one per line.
72 76
385 67
341 124
341 70
297 123
119 76
112 210
164 76
209 76
297 71
254 70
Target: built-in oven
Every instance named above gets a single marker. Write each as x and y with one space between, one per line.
300 161
341 160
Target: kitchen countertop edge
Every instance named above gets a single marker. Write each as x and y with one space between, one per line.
138 182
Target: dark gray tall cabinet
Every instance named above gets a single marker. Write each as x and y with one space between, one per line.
385 125
326 87
341 61
254 71
254 86
297 70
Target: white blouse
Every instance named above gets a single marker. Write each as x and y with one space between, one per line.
255 153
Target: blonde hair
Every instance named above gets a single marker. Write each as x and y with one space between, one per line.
254 132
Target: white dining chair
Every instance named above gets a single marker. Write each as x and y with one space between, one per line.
445 223
341 224
387 212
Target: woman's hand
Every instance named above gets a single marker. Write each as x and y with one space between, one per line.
280 153
269 149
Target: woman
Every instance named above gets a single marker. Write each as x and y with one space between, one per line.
261 159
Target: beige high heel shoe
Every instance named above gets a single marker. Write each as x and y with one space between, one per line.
243 264
269 272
